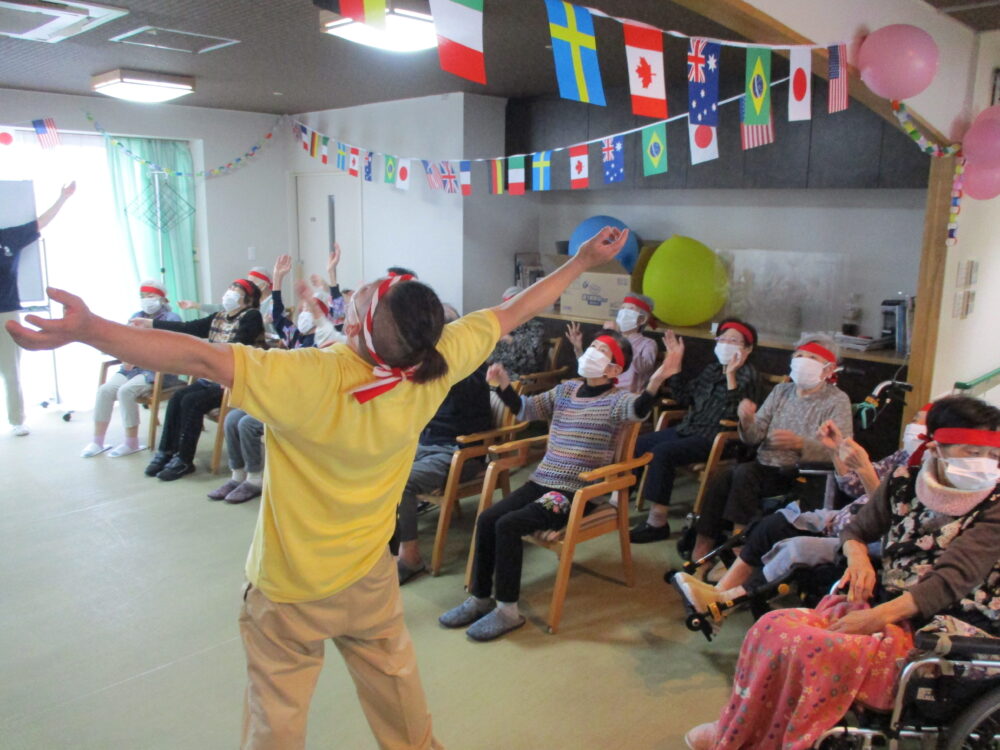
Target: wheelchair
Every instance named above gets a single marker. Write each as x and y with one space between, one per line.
948 698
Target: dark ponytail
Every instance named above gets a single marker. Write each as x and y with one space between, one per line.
409 335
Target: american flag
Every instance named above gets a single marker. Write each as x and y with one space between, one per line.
607 149
752 136
696 60
448 177
433 176
838 78
48 136
369 158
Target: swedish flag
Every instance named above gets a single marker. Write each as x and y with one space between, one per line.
574 48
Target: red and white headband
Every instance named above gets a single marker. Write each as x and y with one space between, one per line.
617 355
262 276
813 348
387 377
146 289
956 436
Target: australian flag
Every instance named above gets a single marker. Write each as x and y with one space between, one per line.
613 158
703 82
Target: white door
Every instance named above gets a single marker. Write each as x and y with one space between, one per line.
329 209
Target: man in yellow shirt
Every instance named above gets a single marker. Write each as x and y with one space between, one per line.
339 449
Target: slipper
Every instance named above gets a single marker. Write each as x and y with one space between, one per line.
493 625
406 573
123 450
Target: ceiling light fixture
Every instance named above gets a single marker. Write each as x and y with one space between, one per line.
405 30
140 86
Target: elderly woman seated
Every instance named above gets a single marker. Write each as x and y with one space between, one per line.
522 351
784 431
938 519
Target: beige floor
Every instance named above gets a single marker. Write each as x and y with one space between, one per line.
118 626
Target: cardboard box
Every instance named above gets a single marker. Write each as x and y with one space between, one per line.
597 294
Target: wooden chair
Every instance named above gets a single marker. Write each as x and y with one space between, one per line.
456 488
152 401
219 417
539 382
614 478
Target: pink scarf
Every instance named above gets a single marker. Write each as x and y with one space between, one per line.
943 499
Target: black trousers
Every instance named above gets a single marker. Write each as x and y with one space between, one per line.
735 493
185 416
499 549
670 450
766 533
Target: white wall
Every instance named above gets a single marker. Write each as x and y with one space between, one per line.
946 103
237 211
968 348
419 228
877 231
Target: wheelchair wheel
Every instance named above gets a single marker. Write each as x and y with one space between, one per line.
978 727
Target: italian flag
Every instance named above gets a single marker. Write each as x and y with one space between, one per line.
371 12
515 175
459 25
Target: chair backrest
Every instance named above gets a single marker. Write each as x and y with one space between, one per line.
625 441
555 348
768 381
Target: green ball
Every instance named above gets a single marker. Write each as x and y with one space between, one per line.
687 281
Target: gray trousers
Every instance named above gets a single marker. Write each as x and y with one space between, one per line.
430 469
244 441
10 354
126 390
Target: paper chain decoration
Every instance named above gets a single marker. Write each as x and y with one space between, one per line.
224 169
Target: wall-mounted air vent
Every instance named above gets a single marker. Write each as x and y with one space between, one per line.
52 21
173 40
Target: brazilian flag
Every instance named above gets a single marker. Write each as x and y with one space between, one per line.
758 87
654 149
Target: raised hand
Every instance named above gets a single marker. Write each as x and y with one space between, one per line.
332 261
141 322
673 360
739 359
602 247
281 268
746 411
53 333
68 190
316 281
496 374
830 435
575 337
854 456
188 304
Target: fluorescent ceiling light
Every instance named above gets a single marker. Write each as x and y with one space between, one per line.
139 86
405 31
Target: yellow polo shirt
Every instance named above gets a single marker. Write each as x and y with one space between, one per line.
336 468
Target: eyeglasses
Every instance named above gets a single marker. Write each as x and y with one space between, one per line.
735 341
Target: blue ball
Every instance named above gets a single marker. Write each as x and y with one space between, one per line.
589 227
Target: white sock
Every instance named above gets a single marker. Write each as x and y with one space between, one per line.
657 515
132 443
509 610
99 439
239 475
256 478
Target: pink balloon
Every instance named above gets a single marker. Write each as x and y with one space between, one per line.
990 113
979 183
981 144
898 61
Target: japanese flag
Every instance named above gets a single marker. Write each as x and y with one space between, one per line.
403 174
6 137
704 142
800 85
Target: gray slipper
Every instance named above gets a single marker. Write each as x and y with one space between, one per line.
244 492
465 613
221 492
493 625
406 573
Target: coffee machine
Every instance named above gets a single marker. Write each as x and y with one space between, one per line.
894 322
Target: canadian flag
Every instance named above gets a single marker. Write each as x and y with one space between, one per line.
403 174
578 173
352 164
800 85
644 54
704 143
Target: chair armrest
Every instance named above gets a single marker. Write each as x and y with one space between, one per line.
519 444
546 375
957 646
500 432
617 468
730 424
815 467
669 416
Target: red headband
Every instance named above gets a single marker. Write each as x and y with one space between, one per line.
387 377
814 348
152 290
616 351
641 304
262 276
955 436
741 329
246 286
322 305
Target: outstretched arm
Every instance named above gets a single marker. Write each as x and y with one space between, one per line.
64 195
599 249
149 349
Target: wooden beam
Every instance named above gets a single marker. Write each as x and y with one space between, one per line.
930 284
757 26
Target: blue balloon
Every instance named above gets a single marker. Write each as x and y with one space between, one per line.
589 227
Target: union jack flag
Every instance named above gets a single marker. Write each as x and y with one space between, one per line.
448 177
696 60
433 176
608 149
837 100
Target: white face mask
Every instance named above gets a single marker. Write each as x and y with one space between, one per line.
911 437
980 473
593 363
806 373
726 352
231 300
150 305
327 334
627 320
305 322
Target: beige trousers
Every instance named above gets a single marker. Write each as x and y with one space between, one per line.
10 355
284 648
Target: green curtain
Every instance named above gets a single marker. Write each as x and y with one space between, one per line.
153 227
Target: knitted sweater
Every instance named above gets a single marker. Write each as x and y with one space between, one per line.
582 432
